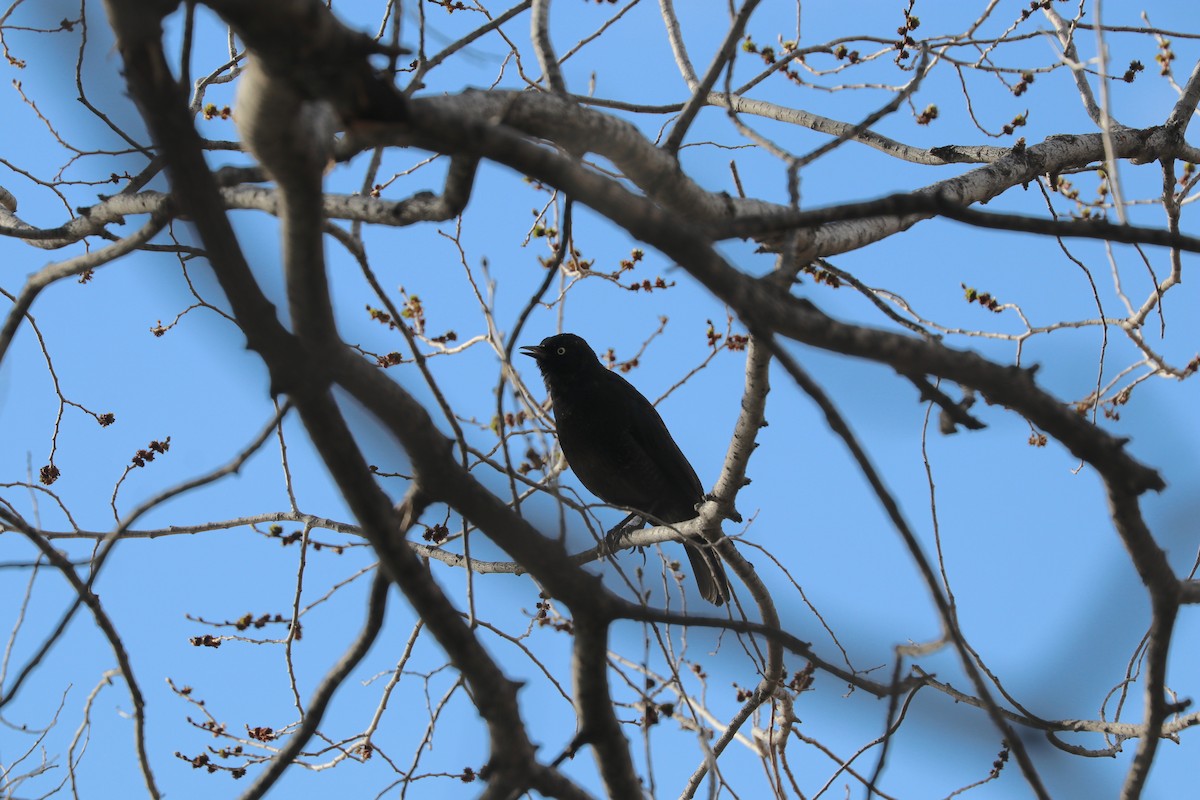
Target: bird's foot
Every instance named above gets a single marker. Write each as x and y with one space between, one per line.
614 540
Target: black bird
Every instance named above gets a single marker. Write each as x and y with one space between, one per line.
620 449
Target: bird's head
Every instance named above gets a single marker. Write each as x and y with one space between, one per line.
563 353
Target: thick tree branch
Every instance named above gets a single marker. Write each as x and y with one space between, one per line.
317 56
292 137
744 439
1164 590
539 21
1181 113
598 724
583 130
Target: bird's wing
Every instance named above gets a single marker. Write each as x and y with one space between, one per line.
653 439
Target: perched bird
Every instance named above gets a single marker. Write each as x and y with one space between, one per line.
620 449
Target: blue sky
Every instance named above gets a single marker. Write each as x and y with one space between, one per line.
1045 591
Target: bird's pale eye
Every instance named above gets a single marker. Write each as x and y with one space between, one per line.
562 351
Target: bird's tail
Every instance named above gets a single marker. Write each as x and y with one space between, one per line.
709 572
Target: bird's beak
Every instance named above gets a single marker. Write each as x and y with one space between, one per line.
534 351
